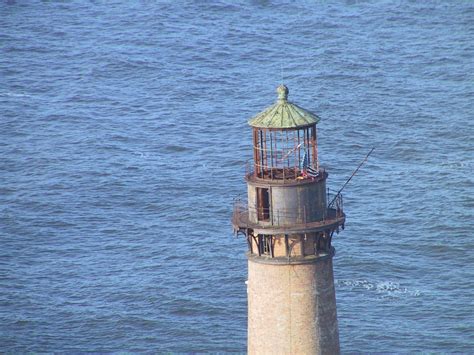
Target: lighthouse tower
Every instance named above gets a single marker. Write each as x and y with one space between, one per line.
289 220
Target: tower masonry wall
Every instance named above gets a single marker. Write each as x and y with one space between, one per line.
292 308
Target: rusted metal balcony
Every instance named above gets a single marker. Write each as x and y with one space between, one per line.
282 221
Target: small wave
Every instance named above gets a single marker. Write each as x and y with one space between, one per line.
22 322
176 148
12 94
143 155
382 288
457 164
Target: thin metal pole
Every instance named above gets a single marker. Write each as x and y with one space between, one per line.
265 150
255 152
261 152
295 154
355 172
271 153
282 161
309 150
315 149
299 149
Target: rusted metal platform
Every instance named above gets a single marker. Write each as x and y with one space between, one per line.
241 222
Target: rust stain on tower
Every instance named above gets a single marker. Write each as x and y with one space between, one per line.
289 220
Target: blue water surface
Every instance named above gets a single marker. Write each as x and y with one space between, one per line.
123 140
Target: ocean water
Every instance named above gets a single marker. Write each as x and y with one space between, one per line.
123 139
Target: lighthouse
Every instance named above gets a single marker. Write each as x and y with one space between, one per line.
288 219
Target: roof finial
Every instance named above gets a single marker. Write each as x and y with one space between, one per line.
282 91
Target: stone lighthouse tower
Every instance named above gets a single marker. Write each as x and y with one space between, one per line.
289 220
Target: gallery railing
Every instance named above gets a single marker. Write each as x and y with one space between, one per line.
242 211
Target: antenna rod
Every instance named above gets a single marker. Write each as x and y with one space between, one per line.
355 172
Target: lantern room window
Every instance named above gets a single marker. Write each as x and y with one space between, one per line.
284 154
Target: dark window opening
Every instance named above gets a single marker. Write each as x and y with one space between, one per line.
265 245
263 204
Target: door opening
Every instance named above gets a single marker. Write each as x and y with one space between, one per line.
263 204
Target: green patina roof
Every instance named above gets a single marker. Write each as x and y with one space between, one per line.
283 114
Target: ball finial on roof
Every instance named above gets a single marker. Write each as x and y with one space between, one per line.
283 114
282 91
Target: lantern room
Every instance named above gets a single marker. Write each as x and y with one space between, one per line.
284 141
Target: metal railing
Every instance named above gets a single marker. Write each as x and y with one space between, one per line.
285 217
283 173
335 201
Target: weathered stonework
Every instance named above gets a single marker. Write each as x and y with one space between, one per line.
292 308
